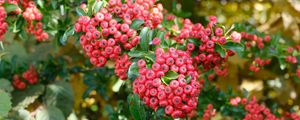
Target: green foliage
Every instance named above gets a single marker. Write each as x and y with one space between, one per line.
136 107
5 103
27 96
60 95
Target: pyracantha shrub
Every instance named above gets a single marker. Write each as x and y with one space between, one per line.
171 82
108 33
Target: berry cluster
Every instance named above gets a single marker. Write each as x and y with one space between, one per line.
114 37
209 36
258 112
180 96
258 63
253 40
31 15
121 66
209 112
30 76
3 24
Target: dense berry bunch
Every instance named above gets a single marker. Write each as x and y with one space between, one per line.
114 36
121 66
30 76
258 63
3 24
208 36
31 14
209 112
180 96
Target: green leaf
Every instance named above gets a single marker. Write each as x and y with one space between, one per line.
136 53
27 96
188 79
60 94
6 85
133 71
20 114
5 103
136 24
90 6
196 42
80 12
161 35
98 5
218 48
170 75
136 107
70 31
144 40
50 113
237 47
9 7
282 63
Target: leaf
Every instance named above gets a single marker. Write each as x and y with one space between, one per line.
70 31
170 75
136 53
161 35
188 79
237 47
144 40
5 103
98 5
60 94
220 50
90 6
136 108
80 12
21 99
133 71
9 7
196 42
282 63
6 85
136 24
50 113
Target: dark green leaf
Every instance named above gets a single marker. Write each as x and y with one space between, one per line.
9 7
25 97
220 50
133 71
136 107
70 31
144 40
136 24
60 94
237 47
80 12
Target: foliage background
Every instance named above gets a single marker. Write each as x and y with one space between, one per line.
100 95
